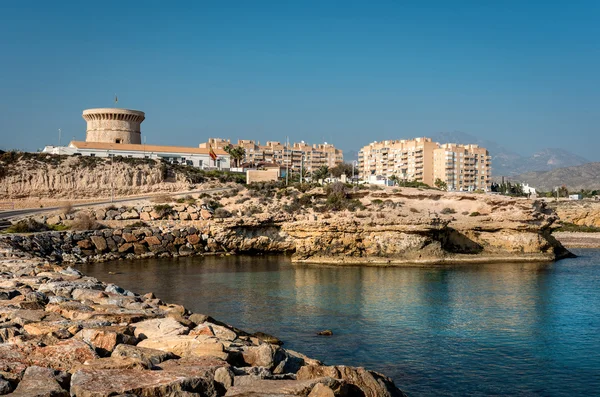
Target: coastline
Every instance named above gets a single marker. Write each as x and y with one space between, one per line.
578 239
65 333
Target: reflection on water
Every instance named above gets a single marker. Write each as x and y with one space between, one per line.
531 329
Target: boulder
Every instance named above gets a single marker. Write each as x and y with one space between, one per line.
42 382
188 345
105 339
260 356
63 355
113 363
132 214
152 240
159 327
99 242
90 382
219 331
129 238
151 357
282 387
85 244
371 384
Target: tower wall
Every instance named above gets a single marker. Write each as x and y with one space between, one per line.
112 125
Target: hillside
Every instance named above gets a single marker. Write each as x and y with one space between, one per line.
586 176
45 176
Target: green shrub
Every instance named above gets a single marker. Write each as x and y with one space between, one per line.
474 213
163 209
414 210
222 213
447 211
27 226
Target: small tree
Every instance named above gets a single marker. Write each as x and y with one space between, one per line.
441 184
321 173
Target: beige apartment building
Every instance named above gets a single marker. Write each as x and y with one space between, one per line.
462 167
296 155
409 160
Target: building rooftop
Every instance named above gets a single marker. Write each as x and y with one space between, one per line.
143 148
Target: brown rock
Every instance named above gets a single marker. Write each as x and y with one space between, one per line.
371 384
205 214
321 390
151 357
85 244
125 247
104 340
145 216
193 239
45 327
63 355
129 238
217 330
139 249
99 243
42 382
110 382
113 363
260 356
152 240
263 387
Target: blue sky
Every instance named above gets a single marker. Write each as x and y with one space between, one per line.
522 73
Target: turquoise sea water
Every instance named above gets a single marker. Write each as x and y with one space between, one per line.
480 330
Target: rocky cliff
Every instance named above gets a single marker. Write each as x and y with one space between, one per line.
78 177
582 213
408 226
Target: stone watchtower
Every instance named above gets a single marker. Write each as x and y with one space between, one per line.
112 125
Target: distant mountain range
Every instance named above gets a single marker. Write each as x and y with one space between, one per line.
504 161
508 163
586 176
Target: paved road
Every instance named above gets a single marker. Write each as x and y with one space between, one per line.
28 211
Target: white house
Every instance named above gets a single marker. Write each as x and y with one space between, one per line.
197 157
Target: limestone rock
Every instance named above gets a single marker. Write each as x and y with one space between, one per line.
371 384
151 357
219 331
110 382
132 214
105 339
159 327
187 345
281 387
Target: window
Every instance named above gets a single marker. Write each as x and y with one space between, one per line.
118 141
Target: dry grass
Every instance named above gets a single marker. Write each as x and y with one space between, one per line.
66 209
83 221
162 198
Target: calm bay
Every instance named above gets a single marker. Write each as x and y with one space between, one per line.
498 329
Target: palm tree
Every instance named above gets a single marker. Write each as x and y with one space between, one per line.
236 153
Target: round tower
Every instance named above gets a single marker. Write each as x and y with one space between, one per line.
112 125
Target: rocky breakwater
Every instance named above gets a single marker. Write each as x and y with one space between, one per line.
62 333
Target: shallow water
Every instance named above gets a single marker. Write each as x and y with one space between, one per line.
502 329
